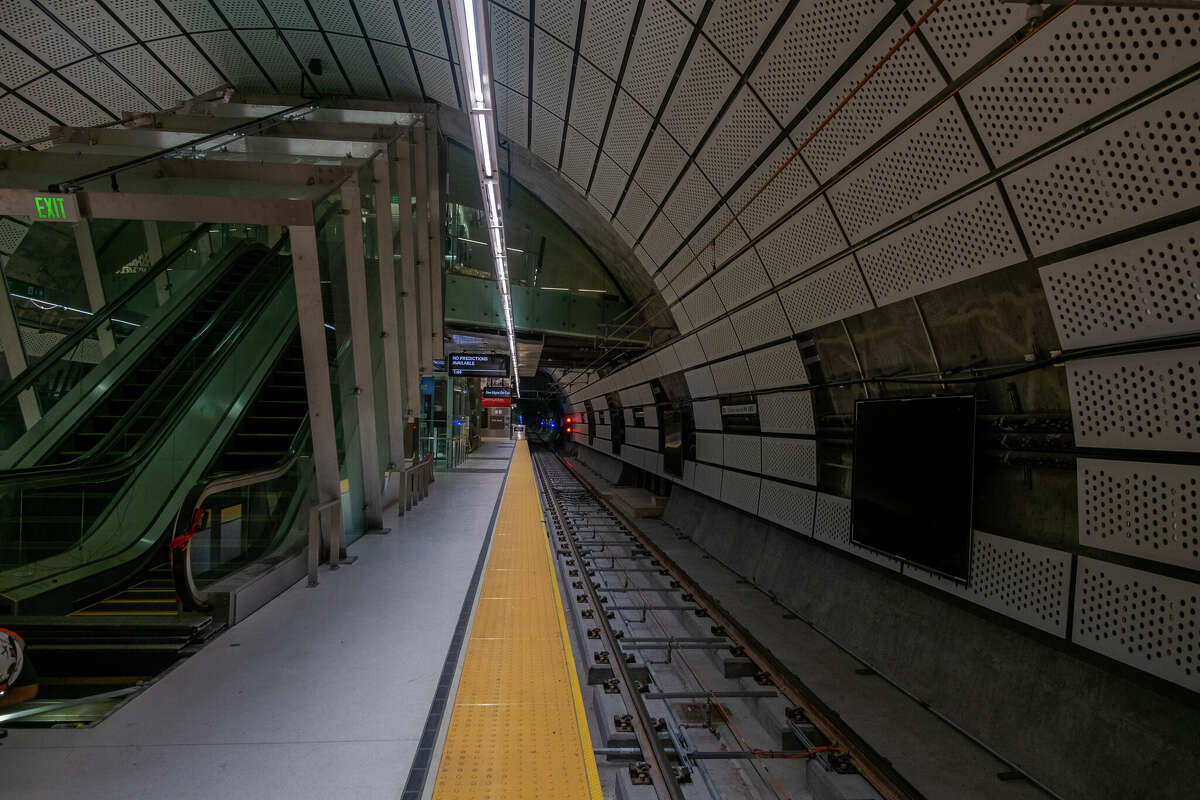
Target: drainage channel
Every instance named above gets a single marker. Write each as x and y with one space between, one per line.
679 710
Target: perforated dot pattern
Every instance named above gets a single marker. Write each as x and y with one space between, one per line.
610 180
184 60
149 76
661 239
232 59
791 459
707 414
668 362
1151 511
1141 167
1149 401
703 86
690 200
833 293
658 169
742 134
962 33
12 233
740 490
761 323
718 339
780 365
792 183
1088 60
932 158
547 135
700 382
1027 582
804 240
970 237
1145 288
589 104
51 92
551 73
786 412
741 280
605 31
688 352
703 304
707 480
661 37
832 519
436 78
789 506
1148 621
819 35
510 48
558 17
743 452
97 80
900 86
718 238
512 114
710 447
732 376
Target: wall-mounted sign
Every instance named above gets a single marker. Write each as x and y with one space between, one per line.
55 208
497 392
741 409
439 365
478 365
496 402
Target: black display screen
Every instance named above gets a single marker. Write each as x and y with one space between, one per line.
913 480
478 365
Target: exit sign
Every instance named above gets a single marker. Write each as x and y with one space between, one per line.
56 208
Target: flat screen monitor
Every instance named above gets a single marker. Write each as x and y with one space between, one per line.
913 480
479 365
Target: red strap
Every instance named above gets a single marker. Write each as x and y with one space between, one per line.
181 541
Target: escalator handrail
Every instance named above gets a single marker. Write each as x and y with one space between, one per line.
69 342
97 453
92 473
187 521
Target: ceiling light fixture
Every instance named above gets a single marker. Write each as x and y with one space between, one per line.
470 19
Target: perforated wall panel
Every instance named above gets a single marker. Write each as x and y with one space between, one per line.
700 382
806 239
833 293
780 365
743 452
668 362
551 73
819 35
792 183
558 17
1138 290
718 239
740 491
1119 172
703 85
1151 511
578 156
661 239
743 132
628 129
761 323
718 340
965 239
935 156
660 166
786 412
1148 401
897 90
707 414
1139 618
1085 62
1027 582
708 480
789 506
831 524
703 304
661 37
732 376
436 78
589 104
791 459
689 352
741 280
962 33
605 31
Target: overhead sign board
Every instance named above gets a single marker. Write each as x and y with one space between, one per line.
495 392
478 365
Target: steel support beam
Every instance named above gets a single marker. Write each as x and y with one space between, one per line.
91 281
421 179
307 273
436 267
360 347
14 355
408 283
390 328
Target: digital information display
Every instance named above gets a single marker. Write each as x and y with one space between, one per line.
478 365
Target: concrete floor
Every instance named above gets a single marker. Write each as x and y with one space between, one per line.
323 693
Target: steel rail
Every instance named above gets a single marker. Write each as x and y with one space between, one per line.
874 767
644 728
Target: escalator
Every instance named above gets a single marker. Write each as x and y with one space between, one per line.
91 579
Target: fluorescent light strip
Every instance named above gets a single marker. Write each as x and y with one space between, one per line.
470 19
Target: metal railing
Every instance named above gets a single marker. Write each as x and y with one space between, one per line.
415 486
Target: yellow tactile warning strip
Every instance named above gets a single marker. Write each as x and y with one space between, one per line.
518 729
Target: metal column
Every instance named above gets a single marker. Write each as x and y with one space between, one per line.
390 329
421 172
307 272
14 354
91 280
436 265
360 346
408 284
154 251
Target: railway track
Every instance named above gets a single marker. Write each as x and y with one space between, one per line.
684 704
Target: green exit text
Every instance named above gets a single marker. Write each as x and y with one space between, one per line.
50 207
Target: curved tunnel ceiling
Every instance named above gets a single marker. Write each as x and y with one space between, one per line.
965 149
